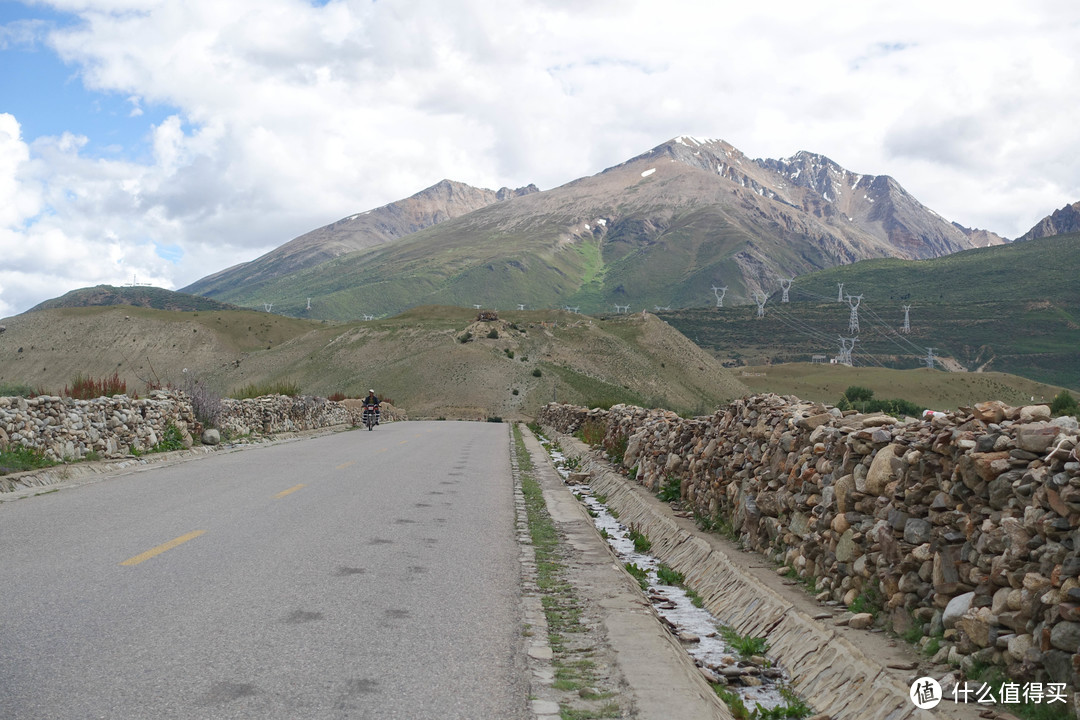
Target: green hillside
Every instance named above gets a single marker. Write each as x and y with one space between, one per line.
1013 309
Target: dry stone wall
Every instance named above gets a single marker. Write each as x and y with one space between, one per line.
962 526
66 429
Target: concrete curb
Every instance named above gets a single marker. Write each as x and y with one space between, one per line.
828 671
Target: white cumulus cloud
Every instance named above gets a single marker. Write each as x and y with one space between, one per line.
287 115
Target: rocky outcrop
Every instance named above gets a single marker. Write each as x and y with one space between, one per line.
1060 222
962 525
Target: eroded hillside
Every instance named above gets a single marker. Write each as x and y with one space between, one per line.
433 361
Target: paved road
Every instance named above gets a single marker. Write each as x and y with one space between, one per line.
356 575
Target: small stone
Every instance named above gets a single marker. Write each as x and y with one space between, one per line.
211 436
956 609
861 621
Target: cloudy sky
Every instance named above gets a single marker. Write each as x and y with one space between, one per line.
164 139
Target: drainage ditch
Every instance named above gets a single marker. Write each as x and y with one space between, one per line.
740 669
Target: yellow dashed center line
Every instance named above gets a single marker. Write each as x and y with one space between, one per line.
342 466
293 489
162 548
403 442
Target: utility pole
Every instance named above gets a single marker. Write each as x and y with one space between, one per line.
853 321
840 296
719 292
760 299
907 320
785 286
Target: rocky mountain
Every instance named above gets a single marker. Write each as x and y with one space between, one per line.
1060 222
661 229
442 201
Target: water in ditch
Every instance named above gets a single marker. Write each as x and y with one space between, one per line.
757 681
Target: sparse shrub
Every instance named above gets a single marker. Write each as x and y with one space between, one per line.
84 387
671 490
494 419
642 544
16 458
640 574
336 397
254 390
493 335
857 393
509 353
171 439
537 372
1064 404
514 391
616 448
592 432
17 391
465 337
747 645
204 401
669 576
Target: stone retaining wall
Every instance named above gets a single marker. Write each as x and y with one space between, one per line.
66 429
962 526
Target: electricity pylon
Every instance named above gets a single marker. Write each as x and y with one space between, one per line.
845 349
719 292
761 299
907 320
853 321
785 287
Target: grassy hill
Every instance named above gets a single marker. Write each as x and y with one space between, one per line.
137 296
432 361
932 389
1013 309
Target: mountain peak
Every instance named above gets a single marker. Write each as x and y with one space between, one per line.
1065 220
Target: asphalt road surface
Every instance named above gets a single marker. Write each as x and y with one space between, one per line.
355 575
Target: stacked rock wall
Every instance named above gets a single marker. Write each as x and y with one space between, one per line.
66 429
962 526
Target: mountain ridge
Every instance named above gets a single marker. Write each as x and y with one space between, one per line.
444 200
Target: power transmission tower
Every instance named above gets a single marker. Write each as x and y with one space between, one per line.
845 349
761 299
658 308
477 306
309 303
521 306
719 292
368 317
621 309
929 358
840 296
907 320
785 287
853 321
268 306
